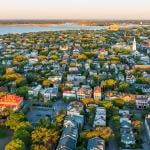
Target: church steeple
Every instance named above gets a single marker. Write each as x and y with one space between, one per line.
134 45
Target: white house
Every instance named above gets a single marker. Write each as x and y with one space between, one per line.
34 90
69 94
100 117
142 101
127 136
50 93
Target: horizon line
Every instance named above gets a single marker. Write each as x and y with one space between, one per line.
75 19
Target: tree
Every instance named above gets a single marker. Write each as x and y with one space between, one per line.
3 94
116 127
130 104
110 83
137 124
87 101
24 125
89 54
102 58
22 91
20 60
123 86
103 132
143 80
82 57
138 131
46 83
119 102
43 122
13 76
2 70
54 57
60 118
16 121
106 104
15 145
5 113
112 111
38 147
41 58
23 135
31 77
44 136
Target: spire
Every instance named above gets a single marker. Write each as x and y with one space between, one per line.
134 45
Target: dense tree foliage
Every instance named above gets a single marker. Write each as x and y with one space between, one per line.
15 145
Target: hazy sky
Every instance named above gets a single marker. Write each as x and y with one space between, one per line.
74 9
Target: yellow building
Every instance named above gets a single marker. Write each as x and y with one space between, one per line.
113 27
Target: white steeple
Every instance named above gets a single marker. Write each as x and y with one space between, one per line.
134 45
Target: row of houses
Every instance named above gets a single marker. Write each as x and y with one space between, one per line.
100 117
73 123
83 92
47 93
141 101
96 143
127 136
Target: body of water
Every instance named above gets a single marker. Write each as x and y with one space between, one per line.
5 29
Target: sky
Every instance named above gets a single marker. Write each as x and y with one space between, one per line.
74 9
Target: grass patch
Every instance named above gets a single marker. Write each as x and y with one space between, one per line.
3 134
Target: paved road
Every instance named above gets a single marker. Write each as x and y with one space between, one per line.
5 141
112 145
146 144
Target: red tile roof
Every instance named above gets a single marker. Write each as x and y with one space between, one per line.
10 100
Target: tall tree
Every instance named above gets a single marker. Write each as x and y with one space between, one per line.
44 136
15 145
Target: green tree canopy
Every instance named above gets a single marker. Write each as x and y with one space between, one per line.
106 104
15 145
22 91
38 147
23 135
119 102
123 86
44 136
108 83
16 121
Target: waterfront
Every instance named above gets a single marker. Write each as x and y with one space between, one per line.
5 29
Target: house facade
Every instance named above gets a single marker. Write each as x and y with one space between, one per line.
142 101
97 93
100 117
96 143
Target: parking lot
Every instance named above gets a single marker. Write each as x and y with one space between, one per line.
35 114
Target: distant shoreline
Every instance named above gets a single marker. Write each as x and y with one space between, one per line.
27 25
80 22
